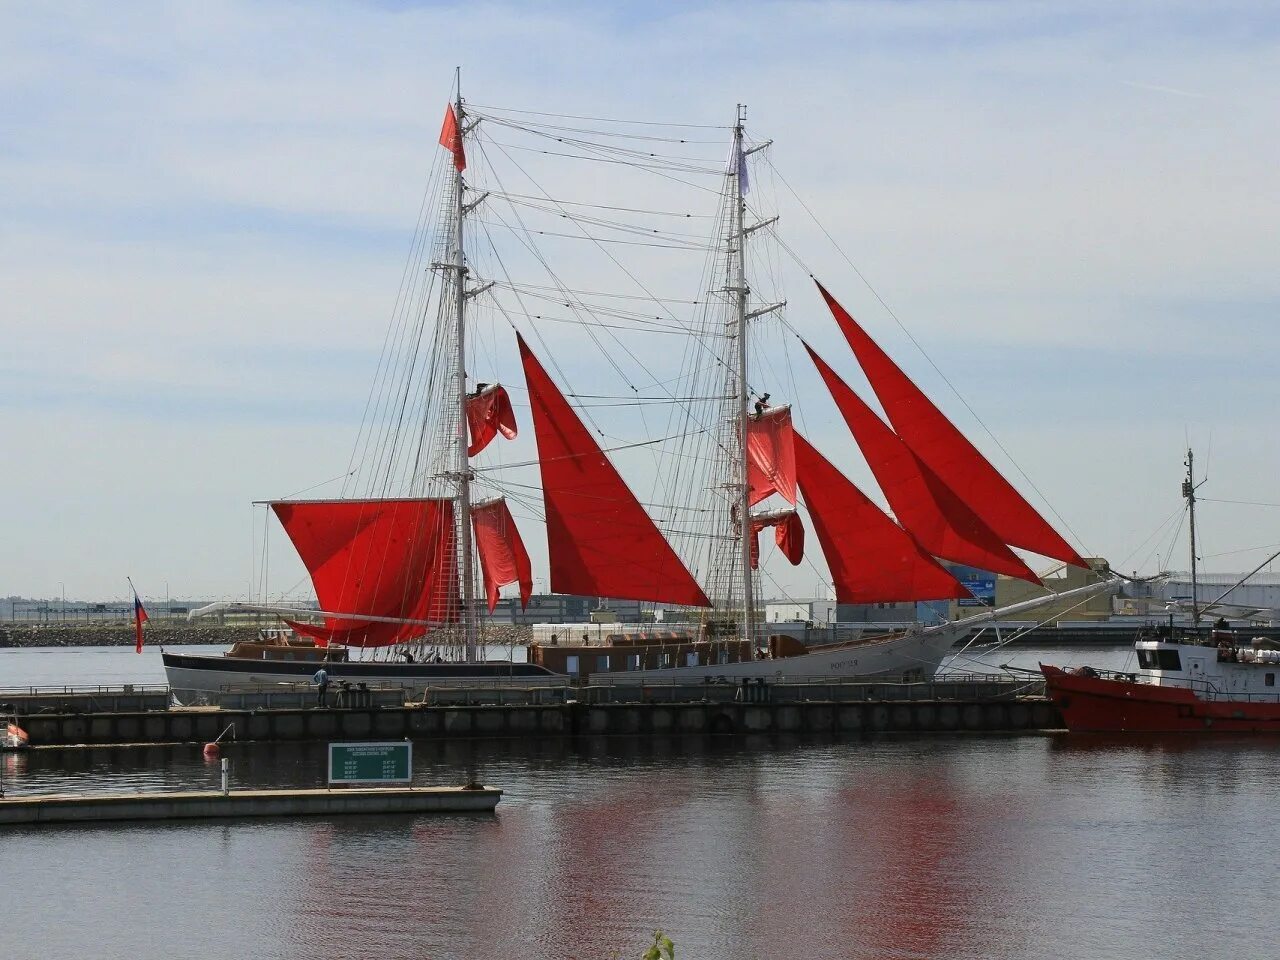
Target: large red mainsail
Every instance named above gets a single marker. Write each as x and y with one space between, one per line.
871 558
771 459
376 558
935 440
930 510
600 541
503 558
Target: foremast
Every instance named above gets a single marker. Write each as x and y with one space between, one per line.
740 290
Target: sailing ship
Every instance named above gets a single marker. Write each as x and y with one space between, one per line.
399 573
1197 679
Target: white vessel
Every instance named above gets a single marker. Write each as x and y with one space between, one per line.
424 526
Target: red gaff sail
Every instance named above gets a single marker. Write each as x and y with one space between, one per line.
600 541
788 534
771 458
376 558
488 414
930 511
871 558
944 449
503 558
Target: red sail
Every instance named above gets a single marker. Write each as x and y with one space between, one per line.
930 511
451 138
935 440
600 541
380 558
503 558
771 458
788 534
488 414
871 558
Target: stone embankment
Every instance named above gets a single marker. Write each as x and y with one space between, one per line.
179 632
119 634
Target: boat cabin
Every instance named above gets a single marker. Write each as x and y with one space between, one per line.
282 644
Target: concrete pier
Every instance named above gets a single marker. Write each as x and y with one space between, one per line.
628 711
247 803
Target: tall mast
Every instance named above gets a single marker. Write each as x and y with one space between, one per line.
1189 492
741 289
460 373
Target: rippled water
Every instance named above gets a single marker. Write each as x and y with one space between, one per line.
889 847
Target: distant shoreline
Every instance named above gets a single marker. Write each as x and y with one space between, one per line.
119 635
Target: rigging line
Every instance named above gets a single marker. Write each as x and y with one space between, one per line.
1245 503
595 131
1153 535
298 493
1228 553
571 116
595 239
588 144
634 279
889 310
574 456
517 197
531 289
634 164
622 226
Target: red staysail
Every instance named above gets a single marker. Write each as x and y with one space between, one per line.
600 541
871 558
771 458
379 558
788 534
488 414
503 558
935 440
930 511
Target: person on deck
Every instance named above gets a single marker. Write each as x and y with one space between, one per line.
321 680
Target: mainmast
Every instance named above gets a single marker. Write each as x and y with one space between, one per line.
739 287
1189 492
462 461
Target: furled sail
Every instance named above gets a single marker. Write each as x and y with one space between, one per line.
930 510
600 541
771 459
488 414
378 558
935 440
871 558
788 534
503 558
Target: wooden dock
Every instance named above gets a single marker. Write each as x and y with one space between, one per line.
74 808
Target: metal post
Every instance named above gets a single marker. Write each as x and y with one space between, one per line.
226 776
1189 491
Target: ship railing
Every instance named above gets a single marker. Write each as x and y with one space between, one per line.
984 687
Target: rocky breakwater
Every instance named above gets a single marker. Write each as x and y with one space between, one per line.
120 634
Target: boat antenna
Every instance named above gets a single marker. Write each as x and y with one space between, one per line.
1189 493
459 267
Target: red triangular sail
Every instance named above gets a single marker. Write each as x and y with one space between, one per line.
451 138
771 459
935 440
379 558
871 558
489 413
503 558
600 541
930 511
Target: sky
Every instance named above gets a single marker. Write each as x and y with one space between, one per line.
205 211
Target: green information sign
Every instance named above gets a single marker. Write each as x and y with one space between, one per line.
371 762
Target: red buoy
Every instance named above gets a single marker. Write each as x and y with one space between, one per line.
212 750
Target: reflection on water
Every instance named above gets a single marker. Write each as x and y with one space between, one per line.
935 847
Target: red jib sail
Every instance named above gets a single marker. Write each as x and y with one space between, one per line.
600 541
935 440
788 534
489 413
931 512
871 558
771 458
503 558
376 558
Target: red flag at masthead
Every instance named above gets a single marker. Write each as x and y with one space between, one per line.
451 138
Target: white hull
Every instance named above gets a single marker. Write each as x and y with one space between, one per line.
915 655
